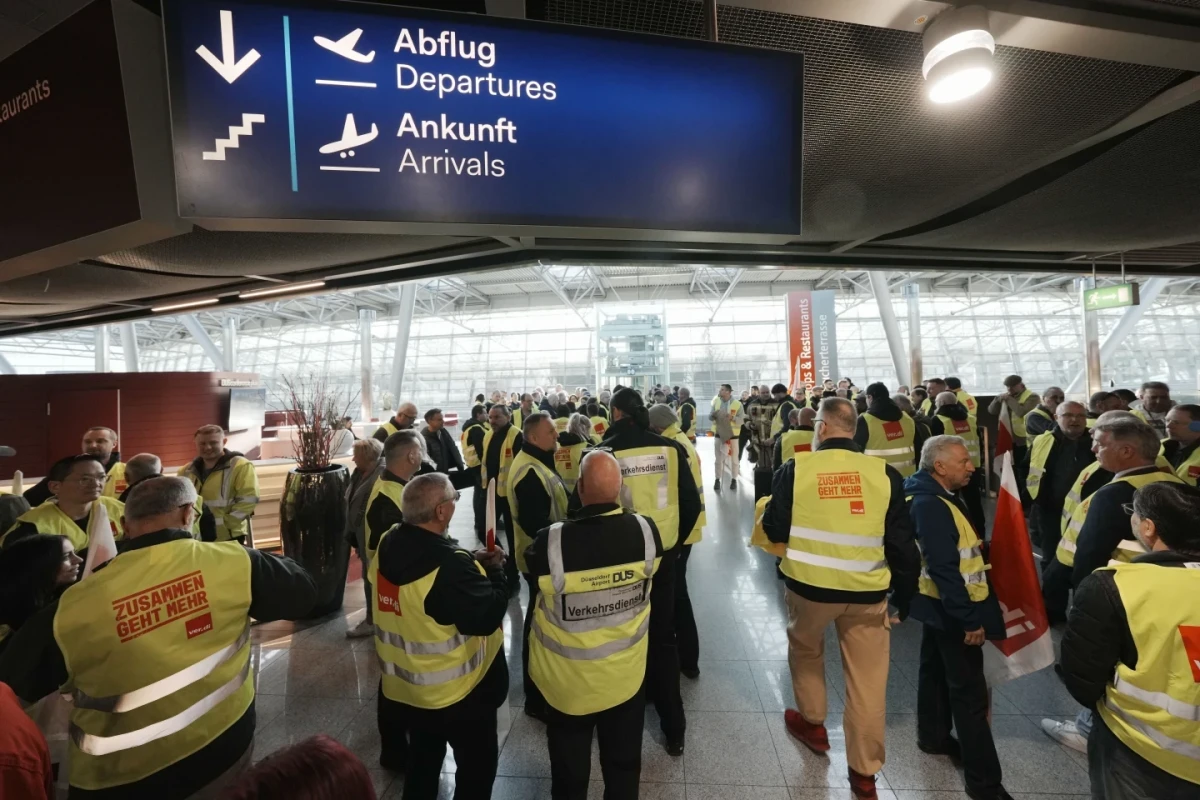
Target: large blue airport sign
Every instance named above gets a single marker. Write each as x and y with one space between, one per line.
359 113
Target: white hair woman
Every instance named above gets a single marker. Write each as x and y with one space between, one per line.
368 466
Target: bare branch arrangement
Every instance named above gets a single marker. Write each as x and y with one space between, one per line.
316 409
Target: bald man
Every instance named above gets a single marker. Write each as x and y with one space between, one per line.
799 435
594 571
147 465
406 415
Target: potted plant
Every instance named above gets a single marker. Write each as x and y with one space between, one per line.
312 511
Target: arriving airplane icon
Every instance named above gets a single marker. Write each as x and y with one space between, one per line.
350 138
344 47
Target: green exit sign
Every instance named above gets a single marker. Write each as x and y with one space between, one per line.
1123 294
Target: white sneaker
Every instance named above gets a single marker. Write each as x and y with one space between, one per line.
361 631
1065 733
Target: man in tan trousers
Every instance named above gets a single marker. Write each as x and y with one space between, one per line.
849 541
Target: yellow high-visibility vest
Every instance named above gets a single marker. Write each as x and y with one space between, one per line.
1066 546
1189 469
970 561
157 649
968 402
424 663
778 420
673 432
793 442
114 483
555 489
231 492
588 636
965 429
1042 445
735 407
894 442
560 424
1018 421
1041 412
470 456
506 459
599 426
1075 495
51 520
650 486
388 428
390 489
1153 707
839 503
518 418
566 463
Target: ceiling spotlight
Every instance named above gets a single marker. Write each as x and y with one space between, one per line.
958 54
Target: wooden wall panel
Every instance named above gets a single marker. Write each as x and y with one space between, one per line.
159 413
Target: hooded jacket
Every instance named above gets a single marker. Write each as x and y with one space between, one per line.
883 408
687 415
937 536
955 412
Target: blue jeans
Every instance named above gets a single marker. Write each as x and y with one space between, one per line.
1083 722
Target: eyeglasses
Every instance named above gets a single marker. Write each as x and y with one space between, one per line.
453 499
1128 509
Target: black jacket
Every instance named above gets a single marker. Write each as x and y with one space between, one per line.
1066 459
533 504
624 434
33 666
956 412
40 491
443 450
382 513
1098 636
687 414
491 458
938 535
208 522
460 596
596 541
1105 526
899 547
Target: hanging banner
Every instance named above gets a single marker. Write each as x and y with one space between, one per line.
812 336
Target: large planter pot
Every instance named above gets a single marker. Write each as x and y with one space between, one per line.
312 525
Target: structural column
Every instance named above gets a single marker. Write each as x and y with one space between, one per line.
366 318
102 342
887 315
229 341
129 346
912 293
202 338
408 303
6 367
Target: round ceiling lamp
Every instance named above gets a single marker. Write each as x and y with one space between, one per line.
958 54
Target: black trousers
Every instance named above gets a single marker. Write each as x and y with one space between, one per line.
687 638
510 533
1056 589
393 731
479 506
973 497
1021 473
662 660
951 689
471 735
1049 522
533 695
743 440
1118 773
619 730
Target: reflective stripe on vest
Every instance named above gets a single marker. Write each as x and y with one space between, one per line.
157 650
1154 707
470 454
231 522
971 565
1189 469
114 483
795 441
1042 445
506 458
1075 495
1067 545
965 430
424 663
588 634
51 520
735 407
1018 420
673 432
556 491
650 486
892 441
839 502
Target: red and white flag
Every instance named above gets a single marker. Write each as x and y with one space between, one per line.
102 543
1004 431
797 382
490 516
1028 647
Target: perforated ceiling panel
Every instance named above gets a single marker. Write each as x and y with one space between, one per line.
85 285
879 156
234 253
1142 193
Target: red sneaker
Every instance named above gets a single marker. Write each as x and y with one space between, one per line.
814 737
863 786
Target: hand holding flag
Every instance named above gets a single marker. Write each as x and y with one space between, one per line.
102 545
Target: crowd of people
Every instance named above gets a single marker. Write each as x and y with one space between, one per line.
873 501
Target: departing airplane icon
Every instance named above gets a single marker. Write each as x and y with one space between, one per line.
350 138
344 47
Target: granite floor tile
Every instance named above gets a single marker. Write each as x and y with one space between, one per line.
707 791
802 767
1040 693
730 747
906 767
773 680
722 686
303 717
525 754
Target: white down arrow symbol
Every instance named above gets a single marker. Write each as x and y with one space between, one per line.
227 66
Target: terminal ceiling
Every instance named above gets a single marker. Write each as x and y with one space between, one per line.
1082 152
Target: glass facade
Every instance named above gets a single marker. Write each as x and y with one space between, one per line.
980 337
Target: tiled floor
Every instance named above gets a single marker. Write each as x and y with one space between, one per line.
312 680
